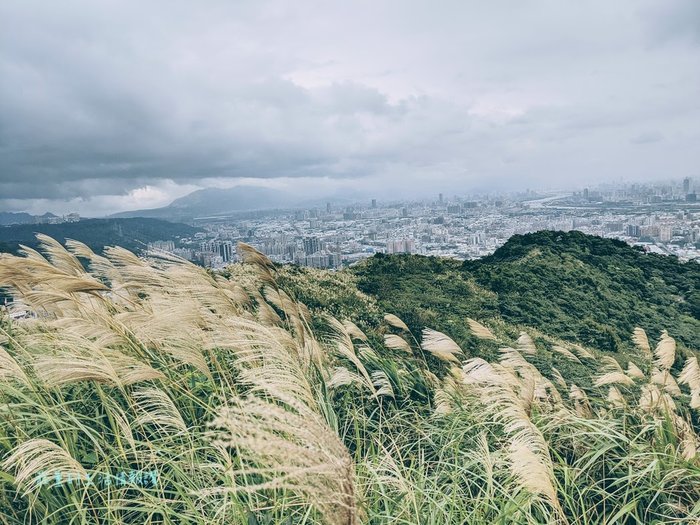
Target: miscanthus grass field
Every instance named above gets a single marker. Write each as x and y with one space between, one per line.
150 391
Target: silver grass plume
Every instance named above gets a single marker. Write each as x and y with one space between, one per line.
581 403
261 262
292 448
665 351
582 352
615 398
654 400
396 342
613 378
102 366
354 331
341 376
641 341
612 374
343 343
395 322
440 345
10 369
690 375
498 390
566 353
634 371
480 331
525 344
36 458
559 379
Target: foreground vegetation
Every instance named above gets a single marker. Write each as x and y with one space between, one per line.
211 400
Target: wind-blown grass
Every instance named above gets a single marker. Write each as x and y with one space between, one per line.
240 412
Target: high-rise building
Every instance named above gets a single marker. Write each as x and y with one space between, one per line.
665 233
374 203
401 246
328 207
311 245
226 251
686 185
633 230
441 198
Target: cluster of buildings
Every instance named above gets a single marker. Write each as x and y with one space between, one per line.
661 218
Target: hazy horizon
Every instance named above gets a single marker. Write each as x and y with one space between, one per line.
121 106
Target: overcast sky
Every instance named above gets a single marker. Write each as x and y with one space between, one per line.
116 104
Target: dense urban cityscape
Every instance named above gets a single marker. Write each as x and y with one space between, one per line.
662 218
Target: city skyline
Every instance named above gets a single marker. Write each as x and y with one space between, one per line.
661 219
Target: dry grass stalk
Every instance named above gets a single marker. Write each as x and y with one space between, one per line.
640 339
395 322
292 448
440 345
582 352
10 369
396 342
354 331
566 353
690 375
526 345
38 459
613 378
615 398
634 371
665 352
480 331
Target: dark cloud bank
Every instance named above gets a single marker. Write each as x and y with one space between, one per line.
114 105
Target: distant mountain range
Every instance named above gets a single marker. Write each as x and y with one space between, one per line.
225 201
218 201
8 218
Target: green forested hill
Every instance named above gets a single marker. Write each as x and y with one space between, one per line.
569 285
131 234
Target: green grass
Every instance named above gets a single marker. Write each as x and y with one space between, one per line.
254 410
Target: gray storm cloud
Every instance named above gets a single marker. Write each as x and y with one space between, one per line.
110 105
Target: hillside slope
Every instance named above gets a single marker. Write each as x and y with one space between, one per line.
570 285
154 391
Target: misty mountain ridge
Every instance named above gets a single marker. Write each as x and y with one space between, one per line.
221 201
10 218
